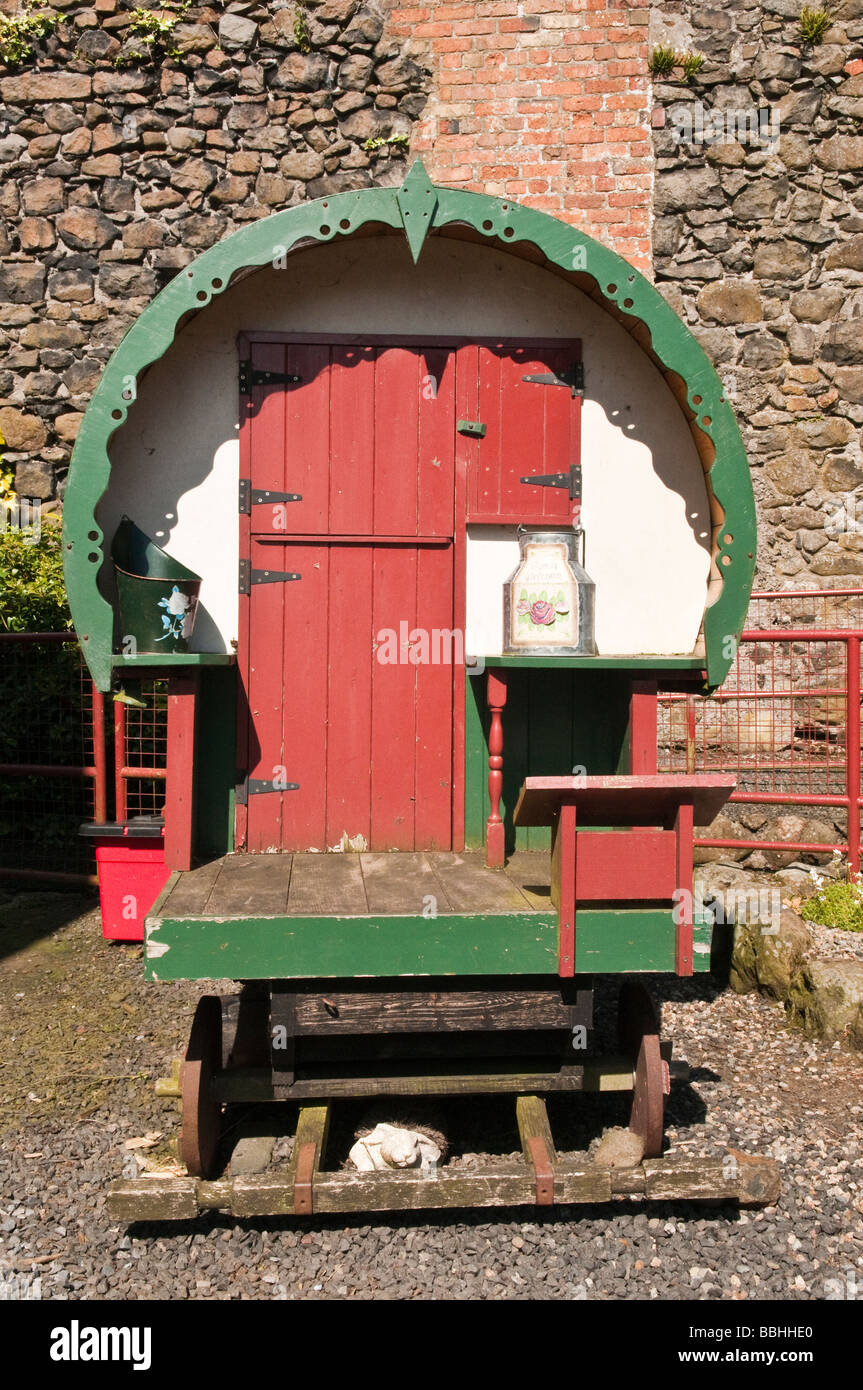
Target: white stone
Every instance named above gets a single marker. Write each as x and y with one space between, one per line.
393 1146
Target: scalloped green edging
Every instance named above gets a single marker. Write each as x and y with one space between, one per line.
416 209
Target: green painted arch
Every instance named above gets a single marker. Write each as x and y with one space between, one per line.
417 208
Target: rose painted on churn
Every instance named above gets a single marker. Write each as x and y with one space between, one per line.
542 613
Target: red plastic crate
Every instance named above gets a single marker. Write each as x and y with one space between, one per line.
132 874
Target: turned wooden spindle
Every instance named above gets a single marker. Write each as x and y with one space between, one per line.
495 855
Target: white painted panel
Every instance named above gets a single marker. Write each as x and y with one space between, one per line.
175 461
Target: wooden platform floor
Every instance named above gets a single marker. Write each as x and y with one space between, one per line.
357 885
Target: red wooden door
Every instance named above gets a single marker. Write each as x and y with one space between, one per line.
349 668
361 466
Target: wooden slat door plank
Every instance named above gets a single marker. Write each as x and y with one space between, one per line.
486 500
433 752
473 888
327 885
436 441
266 687
307 438
349 693
393 786
268 443
562 428
397 395
251 886
521 444
401 884
305 686
352 440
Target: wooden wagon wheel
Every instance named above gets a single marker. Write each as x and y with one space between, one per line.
638 1034
202 1116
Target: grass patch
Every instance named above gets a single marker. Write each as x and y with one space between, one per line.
663 60
836 905
814 25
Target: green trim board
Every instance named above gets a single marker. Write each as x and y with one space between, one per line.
416 210
615 941
598 663
268 948
608 941
175 659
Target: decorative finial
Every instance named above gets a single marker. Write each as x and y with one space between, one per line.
417 200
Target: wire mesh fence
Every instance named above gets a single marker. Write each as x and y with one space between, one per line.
58 761
786 723
48 780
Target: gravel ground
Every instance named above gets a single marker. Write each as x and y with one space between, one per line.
77 1086
834 943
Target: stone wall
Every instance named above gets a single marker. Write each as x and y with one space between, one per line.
759 247
117 169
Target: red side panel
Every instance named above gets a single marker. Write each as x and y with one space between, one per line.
434 680
620 866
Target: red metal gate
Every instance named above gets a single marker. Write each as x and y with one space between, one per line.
787 720
56 756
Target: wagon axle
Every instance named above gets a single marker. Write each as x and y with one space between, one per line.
542 1177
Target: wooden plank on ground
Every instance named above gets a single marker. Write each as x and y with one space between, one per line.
251 885
532 1118
472 887
401 883
503 1185
748 1179
329 885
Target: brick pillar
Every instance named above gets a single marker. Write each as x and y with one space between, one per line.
544 101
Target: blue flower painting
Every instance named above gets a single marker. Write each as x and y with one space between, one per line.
177 621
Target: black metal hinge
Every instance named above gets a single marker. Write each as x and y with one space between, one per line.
253 496
259 786
570 480
248 576
254 376
574 379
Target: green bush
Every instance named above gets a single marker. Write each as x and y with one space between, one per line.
32 593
